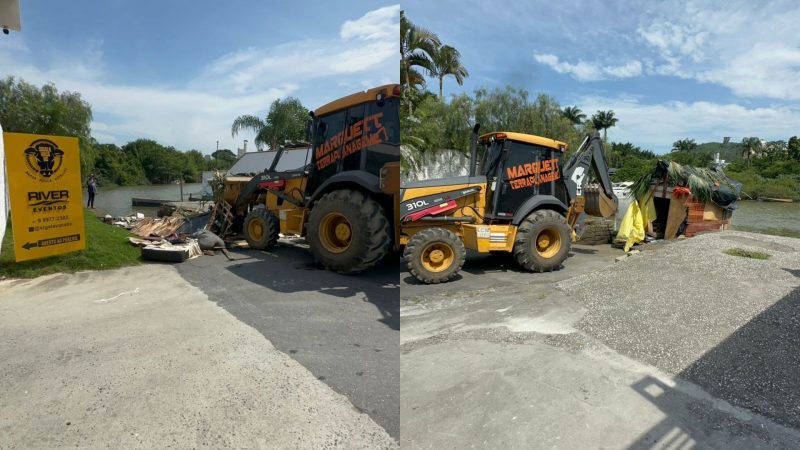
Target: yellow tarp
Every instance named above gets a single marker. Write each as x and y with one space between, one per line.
634 223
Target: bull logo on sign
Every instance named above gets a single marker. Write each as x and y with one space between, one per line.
44 157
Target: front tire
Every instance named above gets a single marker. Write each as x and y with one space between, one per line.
434 255
543 241
348 232
261 228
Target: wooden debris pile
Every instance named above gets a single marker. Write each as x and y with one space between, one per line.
163 227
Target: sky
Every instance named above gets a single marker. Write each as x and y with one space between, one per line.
181 71
668 69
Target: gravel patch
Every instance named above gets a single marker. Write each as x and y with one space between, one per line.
726 323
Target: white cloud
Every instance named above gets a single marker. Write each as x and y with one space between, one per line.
657 126
378 24
585 71
245 81
749 47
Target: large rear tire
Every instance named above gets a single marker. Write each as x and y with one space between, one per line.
434 255
261 228
543 241
348 232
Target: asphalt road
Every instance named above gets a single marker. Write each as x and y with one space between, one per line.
344 329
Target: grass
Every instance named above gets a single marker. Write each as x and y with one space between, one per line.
746 253
107 247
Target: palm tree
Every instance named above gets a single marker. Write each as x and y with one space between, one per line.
603 120
417 44
574 115
286 121
684 145
445 61
750 147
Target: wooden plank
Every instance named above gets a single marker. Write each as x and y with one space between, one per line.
675 216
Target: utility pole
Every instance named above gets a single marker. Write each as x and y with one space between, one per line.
217 145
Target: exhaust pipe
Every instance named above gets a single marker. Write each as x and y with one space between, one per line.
473 150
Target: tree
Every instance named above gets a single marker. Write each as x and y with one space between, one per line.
603 120
286 121
221 159
438 125
793 148
574 115
684 145
750 148
445 61
417 44
24 108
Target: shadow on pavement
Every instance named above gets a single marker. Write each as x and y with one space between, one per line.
343 328
755 368
290 269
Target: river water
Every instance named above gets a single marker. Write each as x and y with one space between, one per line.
768 217
117 200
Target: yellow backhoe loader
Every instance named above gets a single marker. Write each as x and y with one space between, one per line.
344 198
517 198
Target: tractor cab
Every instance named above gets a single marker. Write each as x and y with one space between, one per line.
353 138
340 191
519 167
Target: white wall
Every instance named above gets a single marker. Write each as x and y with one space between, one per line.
3 191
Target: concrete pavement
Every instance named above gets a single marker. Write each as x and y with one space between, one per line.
681 346
138 357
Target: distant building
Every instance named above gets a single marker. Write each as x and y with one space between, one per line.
718 163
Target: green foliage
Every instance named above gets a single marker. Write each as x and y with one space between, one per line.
603 120
684 145
731 151
421 50
793 148
25 108
287 121
436 125
115 166
221 160
107 247
446 61
631 162
574 115
145 161
417 45
690 158
761 178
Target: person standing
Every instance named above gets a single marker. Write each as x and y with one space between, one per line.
91 186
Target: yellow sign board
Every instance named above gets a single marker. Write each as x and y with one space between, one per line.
45 194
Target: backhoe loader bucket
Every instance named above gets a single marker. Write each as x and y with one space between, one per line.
598 204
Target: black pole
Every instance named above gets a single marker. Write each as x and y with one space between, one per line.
473 150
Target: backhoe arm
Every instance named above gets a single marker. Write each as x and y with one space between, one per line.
593 199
